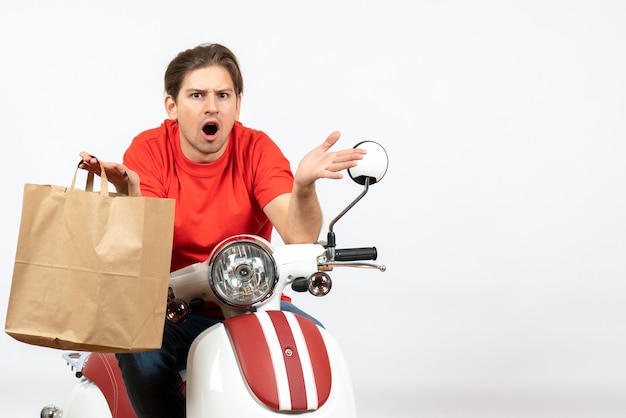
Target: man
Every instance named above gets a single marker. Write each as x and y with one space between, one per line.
227 179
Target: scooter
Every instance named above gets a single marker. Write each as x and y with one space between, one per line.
260 361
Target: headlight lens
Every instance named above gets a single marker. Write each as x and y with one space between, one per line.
243 271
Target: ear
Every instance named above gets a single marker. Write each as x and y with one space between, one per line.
239 96
170 107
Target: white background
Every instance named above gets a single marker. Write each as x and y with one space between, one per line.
501 218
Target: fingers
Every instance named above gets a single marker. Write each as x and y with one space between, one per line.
88 158
114 171
345 159
322 163
331 140
346 154
350 154
89 162
339 160
126 181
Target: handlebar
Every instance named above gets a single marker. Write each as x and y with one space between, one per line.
356 254
319 283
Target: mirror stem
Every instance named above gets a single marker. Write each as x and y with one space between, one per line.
331 234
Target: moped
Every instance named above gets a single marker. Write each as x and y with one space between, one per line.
260 361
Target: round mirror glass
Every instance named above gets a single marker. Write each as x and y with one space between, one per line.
373 165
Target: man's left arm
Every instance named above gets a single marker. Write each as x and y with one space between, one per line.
297 216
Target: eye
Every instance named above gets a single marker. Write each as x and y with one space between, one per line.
196 95
223 95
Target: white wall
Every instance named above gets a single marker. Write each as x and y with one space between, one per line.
501 218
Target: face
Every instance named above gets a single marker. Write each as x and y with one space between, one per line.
206 109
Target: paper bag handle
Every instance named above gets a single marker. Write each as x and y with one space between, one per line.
104 182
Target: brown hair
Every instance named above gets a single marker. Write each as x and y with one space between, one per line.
204 55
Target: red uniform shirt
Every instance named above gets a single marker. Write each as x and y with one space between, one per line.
216 200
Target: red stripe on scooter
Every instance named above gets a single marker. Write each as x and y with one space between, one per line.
319 358
295 375
254 357
255 360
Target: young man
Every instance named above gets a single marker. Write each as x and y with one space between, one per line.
227 179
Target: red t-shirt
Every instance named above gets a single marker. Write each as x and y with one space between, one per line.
215 200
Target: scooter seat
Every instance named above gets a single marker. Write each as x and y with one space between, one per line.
103 370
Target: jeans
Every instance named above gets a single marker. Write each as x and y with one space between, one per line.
151 377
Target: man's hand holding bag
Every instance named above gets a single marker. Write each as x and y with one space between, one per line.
91 269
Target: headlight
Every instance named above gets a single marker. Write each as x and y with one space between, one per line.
242 270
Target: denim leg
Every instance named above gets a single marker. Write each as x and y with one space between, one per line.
151 376
290 307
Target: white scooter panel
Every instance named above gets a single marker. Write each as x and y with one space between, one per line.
267 364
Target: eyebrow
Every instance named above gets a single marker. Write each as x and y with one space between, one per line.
201 90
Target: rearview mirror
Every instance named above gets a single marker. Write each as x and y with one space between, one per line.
373 165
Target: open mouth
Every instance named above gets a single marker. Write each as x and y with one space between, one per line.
210 128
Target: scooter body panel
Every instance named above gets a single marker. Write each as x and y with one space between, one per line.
217 388
86 400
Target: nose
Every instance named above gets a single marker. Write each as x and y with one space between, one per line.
210 104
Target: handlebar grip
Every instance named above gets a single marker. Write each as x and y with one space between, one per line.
356 254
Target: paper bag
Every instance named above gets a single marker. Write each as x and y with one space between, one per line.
91 269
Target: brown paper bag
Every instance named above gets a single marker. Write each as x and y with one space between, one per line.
91 269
